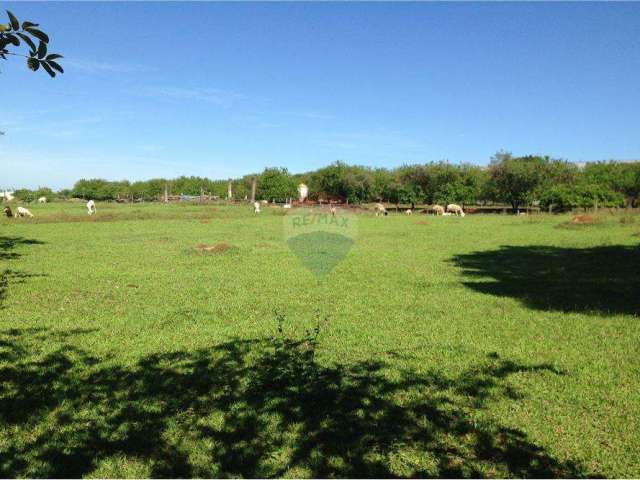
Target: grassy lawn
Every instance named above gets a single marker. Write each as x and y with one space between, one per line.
477 346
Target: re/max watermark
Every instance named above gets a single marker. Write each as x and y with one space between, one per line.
309 219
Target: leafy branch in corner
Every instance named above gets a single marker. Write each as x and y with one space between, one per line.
13 34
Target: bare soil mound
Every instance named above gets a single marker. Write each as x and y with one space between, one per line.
217 248
583 220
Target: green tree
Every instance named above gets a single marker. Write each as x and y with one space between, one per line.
382 182
621 177
96 189
275 184
347 182
65 193
457 183
409 185
14 34
45 192
516 180
581 195
25 195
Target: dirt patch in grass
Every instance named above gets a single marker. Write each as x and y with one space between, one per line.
263 245
422 222
217 248
581 221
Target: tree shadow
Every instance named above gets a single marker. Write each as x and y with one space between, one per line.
255 408
599 280
7 244
8 276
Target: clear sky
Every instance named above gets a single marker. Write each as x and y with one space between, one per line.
225 89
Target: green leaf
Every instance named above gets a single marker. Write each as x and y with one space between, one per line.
33 63
28 41
40 35
14 21
13 39
42 50
53 56
26 25
48 69
55 66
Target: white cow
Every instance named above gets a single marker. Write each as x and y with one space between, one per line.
408 211
333 210
91 207
23 212
438 210
286 205
42 200
455 209
256 207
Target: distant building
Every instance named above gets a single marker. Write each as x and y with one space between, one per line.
303 192
6 196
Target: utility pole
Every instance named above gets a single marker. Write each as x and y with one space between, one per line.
253 189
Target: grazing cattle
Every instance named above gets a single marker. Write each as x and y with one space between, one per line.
286 205
8 212
408 211
333 210
380 210
91 207
256 207
23 212
42 200
438 209
455 209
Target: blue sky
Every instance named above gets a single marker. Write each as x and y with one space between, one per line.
225 89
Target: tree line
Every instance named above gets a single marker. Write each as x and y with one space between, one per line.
515 181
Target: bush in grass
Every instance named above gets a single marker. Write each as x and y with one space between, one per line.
566 197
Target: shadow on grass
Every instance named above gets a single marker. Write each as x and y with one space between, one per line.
7 244
8 276
601 280
253 408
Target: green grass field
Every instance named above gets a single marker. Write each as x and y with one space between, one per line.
477 346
